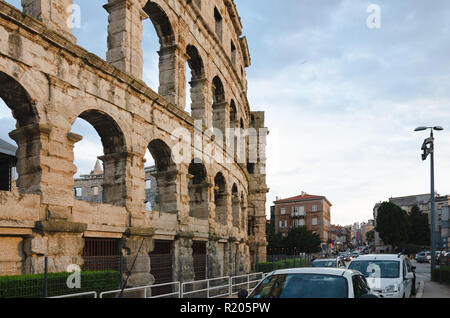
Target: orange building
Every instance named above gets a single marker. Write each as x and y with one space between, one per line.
312 211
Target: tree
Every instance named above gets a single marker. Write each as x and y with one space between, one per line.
274 240
420 228
302 240
370 237
393 224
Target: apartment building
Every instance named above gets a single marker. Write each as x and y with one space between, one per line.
312 211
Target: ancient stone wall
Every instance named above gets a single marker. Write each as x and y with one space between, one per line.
48 82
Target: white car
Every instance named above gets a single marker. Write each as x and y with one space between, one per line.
312 283
387 275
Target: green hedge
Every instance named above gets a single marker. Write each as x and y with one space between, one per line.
289 263
32 286
436 274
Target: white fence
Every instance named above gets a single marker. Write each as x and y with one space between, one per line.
222 287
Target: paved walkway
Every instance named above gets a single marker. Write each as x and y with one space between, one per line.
430 289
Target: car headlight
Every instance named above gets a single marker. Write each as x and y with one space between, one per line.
391 289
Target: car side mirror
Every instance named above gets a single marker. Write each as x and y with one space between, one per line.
409 276
243 293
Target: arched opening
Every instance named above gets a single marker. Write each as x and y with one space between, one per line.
8 148
220 198
218 107
195 83
166 75
106 182
235 205
218 23
20 142
163 178
233 114
198 191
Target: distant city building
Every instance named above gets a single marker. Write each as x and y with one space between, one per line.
365 228
442 230
88 188
7 166
312 211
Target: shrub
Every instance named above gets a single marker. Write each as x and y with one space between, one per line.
436 274
32 286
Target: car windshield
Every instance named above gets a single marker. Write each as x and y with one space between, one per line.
328 263
302 286
377 269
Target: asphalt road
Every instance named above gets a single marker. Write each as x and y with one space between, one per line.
423 271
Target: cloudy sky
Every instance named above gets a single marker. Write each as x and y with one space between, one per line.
341 99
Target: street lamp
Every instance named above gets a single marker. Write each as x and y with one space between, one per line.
428 149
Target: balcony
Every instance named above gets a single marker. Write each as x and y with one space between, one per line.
298 215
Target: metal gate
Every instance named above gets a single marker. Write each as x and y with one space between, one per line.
199 256
101 254
162 266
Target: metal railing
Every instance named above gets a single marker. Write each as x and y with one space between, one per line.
76 295
145 289
221 287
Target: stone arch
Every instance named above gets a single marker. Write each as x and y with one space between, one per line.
235 205
165 174
114 157
219 104
168 55
197 83
28 134
220 198
198 190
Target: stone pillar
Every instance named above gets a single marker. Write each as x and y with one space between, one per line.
55 14
172 75
257 193
31 140
236 210
114 184
125 36
199 93
214 267
220 116
136 250
167 191
184 264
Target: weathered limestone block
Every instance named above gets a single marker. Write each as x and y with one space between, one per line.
11 255
54 14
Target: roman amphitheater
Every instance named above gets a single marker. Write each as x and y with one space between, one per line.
204 209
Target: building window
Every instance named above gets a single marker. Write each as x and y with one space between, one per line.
78 192
148 184
299 211
95 190
301 222
283 224
314 208
314 221
283 211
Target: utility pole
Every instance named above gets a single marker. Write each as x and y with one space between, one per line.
428 149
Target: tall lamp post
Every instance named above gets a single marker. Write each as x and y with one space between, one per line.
428 149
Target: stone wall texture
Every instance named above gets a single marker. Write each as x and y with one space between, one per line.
48 82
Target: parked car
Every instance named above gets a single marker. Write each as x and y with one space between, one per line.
423 257
312 283
387 275
444 259
329 262
355 254
441 257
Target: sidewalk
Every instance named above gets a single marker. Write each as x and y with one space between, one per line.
430 289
